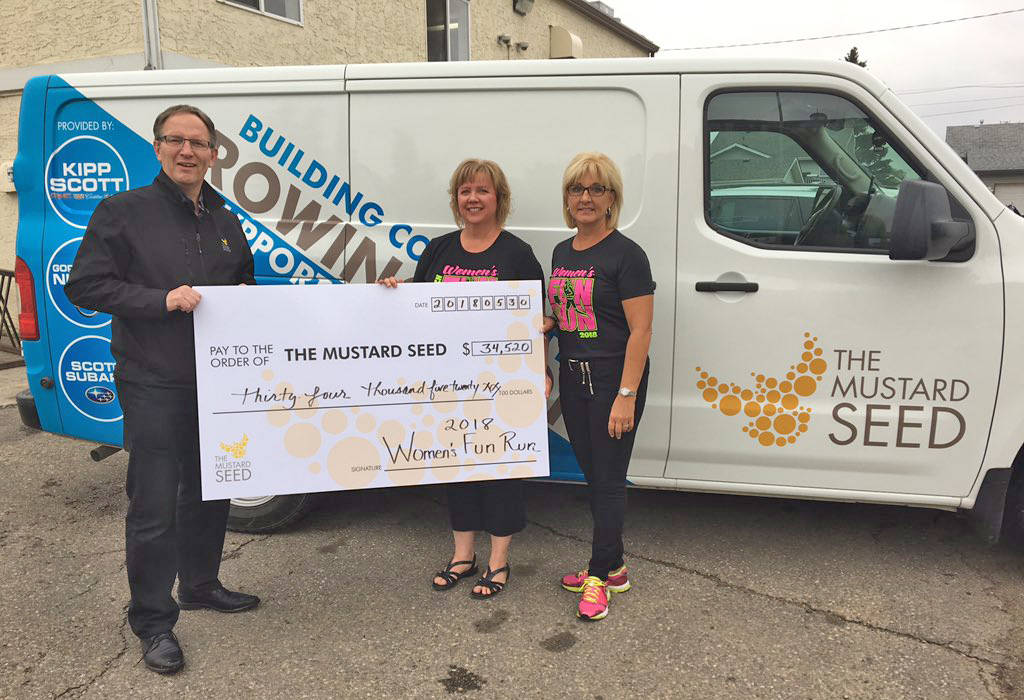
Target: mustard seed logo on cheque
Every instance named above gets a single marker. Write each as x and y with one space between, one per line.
232 465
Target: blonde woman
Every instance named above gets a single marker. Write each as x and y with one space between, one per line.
602 294
480 250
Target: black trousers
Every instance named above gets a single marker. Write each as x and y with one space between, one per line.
169 530
587 391
497 507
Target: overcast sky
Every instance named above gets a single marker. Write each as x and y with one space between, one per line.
972 52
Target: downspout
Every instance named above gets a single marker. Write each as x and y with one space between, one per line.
151 35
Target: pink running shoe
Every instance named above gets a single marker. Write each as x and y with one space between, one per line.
618 581
594 603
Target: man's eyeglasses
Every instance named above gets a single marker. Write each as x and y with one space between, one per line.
178 142
595 190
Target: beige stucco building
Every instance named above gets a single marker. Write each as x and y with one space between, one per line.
104 35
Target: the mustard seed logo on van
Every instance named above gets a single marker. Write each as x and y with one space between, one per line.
869 408
776 416
233 466
82 171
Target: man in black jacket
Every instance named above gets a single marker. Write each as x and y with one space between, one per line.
142 254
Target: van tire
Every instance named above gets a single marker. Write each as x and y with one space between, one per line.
268 514
1013 511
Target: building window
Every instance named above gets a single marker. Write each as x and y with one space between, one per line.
447 30
284 9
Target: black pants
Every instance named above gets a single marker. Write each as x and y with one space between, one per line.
587 393
497 507
169 529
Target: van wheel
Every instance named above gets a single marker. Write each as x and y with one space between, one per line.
1013 513
268 513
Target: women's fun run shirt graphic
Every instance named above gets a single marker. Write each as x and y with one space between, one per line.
571 295
456 273
508 258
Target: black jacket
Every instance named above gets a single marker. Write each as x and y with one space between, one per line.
140 245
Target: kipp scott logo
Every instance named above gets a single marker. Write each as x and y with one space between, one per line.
772 406
236 449
81 172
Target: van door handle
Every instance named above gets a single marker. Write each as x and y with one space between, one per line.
727 286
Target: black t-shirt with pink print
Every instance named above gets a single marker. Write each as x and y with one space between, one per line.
508 258
586 291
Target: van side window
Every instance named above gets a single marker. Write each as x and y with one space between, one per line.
800 170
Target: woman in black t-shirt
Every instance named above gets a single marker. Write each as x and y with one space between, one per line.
602 295
480 251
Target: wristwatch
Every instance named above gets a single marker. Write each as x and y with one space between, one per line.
623 391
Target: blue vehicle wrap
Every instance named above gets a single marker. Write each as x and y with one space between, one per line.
71 154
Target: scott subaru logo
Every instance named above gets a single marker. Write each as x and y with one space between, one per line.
99 394
87 378
81 172
57 271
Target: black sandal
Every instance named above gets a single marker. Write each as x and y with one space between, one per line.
453 577
488 582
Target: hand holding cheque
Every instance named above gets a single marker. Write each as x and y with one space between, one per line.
354 386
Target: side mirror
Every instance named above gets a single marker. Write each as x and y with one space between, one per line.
922 226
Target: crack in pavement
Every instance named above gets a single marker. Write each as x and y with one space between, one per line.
109 664
968 650
236 552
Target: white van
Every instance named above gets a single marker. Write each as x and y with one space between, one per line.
861 340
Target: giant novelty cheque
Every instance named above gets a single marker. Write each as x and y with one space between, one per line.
334 387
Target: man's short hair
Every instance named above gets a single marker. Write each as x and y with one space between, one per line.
158 125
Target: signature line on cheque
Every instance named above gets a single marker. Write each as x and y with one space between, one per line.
480 464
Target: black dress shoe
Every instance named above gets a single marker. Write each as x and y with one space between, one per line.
162 653
219 599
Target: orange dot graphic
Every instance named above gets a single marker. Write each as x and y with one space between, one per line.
769 410
805 386
792 438
818 366
766 439
790 375
771 382
760 377
773 396
789 402
817 351
735 389
730 405
801 368
701 385
785 387
764 423
712 381
752 409
703 375
803 428
710 395
760 398
784 424
696 369
747 394
803 417
781 442
753 433
809 344
806 357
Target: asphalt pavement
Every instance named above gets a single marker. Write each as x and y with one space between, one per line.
733 598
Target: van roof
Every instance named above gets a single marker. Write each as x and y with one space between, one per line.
473 69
